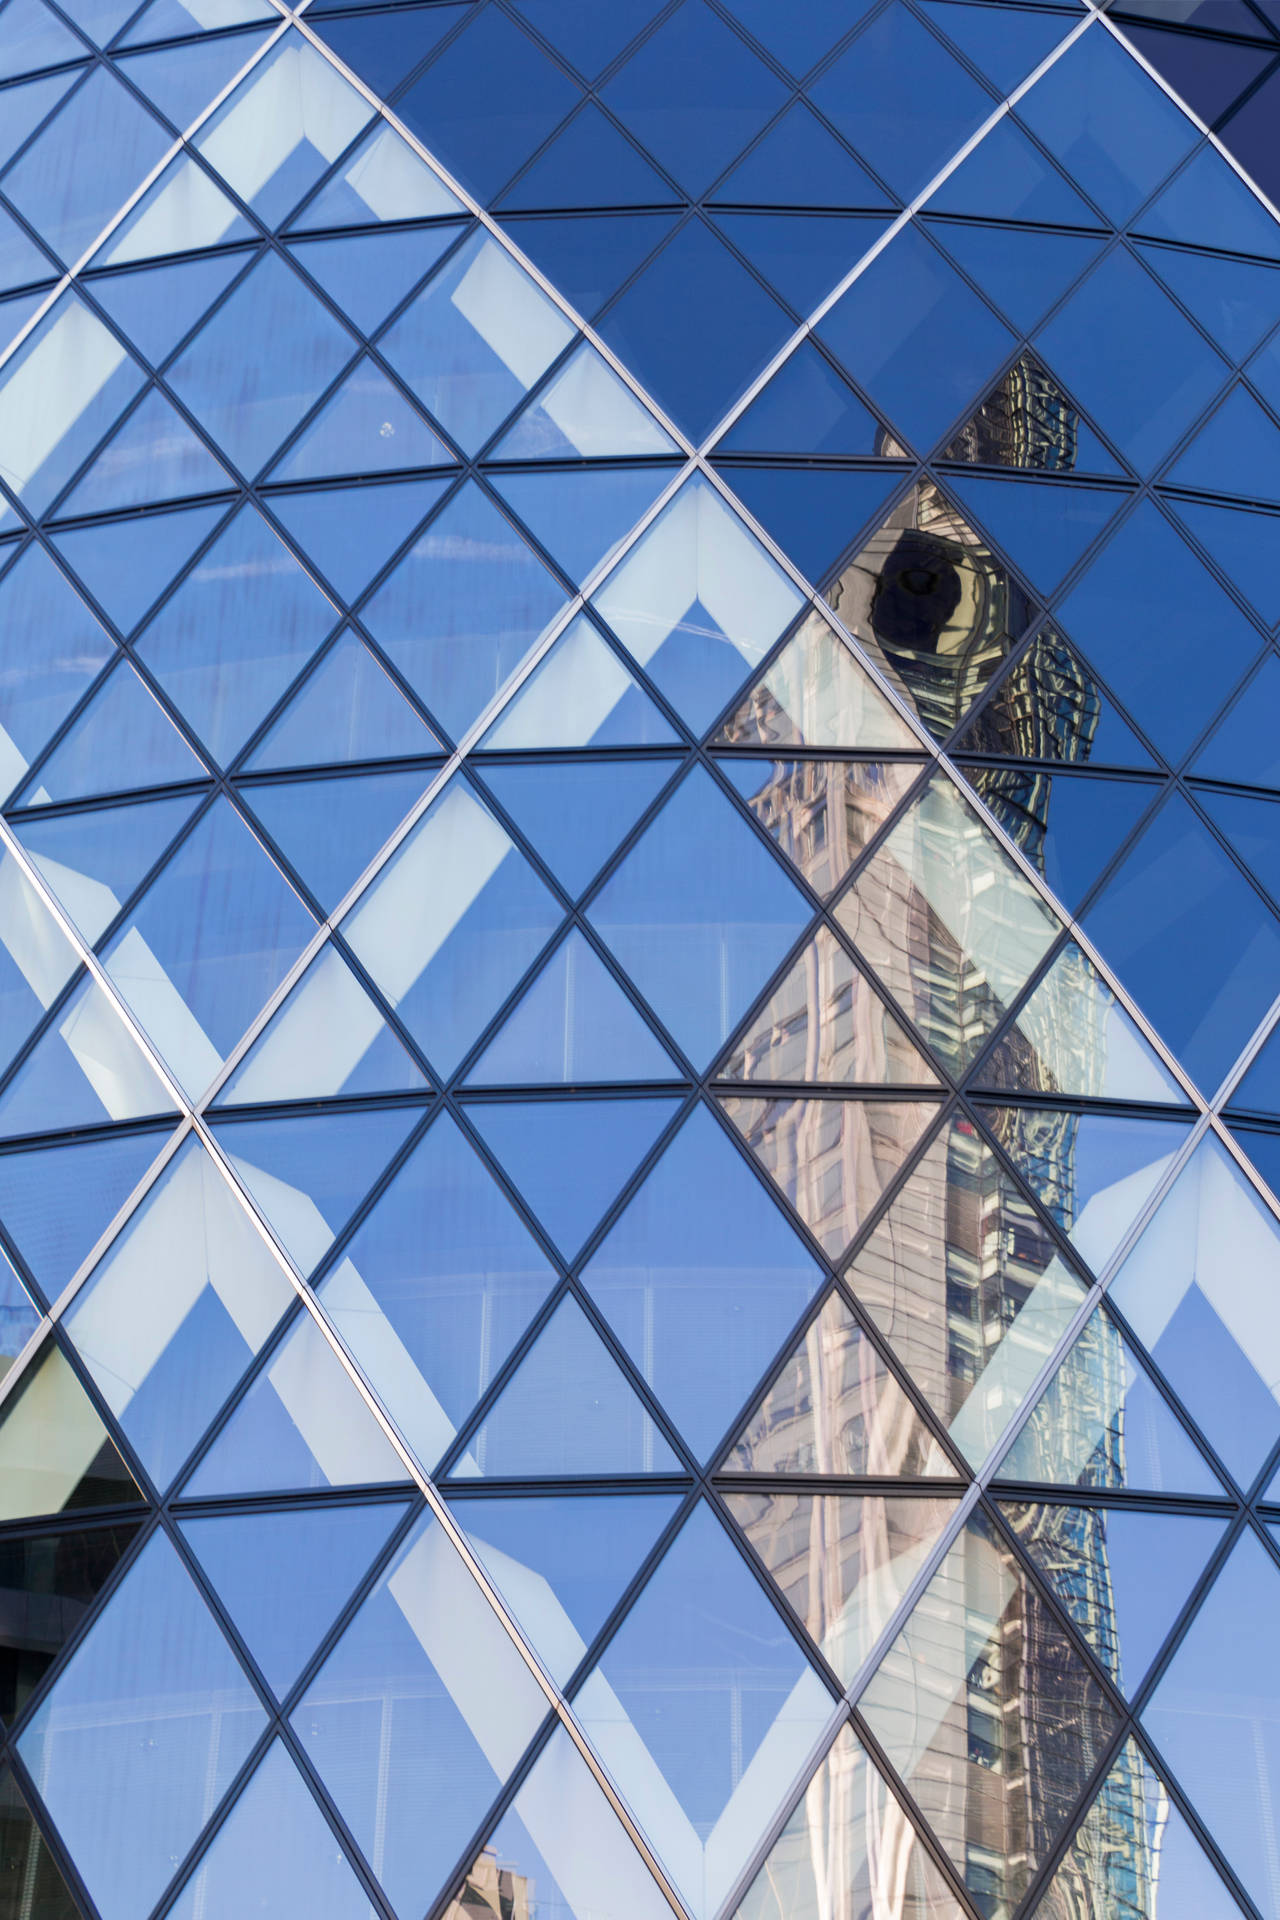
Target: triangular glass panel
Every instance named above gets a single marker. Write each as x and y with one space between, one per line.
329 830
590 163
1068 825
1196 1291
1244 544
835 1408
383 49
702 1629
158 306
590 39
431 1319
1207 204
56 1201
37 959
153 457
813 513
575 812
1236 301
579 695
1262 1146
347 709
185 210
801 255
1121 1574
588 256
95 860
1101 1423
586 412
1043 526
808 408
19 1315
833 1159
84 1070
456 1687
369 426
823 814
36 38
1134 1835
241 625
276 1849
800 163
580 515
351 532
568 1411
698 602
1050 706
983 926
870 1548
1028 423
1073 1037
283 1576
52 649
570 1158
573 1026
562 1561
165 1367
27 105
370 273
1024 270
941 646
308 1172
56 1455
848 1839
1005 45
816 693
1243 748
126 564
941 1702
962 1247
327 1039
701 1232
1006 177
183 80
824 1022
384 179
1234 452
302 1425
122 739
676 915
54 1578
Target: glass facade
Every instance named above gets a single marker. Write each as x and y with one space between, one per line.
639 937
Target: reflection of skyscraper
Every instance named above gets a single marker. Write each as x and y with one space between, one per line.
492 1891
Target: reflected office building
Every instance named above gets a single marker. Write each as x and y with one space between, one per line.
639 925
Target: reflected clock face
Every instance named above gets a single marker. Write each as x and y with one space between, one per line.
917 593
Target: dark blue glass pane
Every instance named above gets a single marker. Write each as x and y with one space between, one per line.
1251 827
1263 1148
808 409
802 256
1023 269
1068 827
1043 528
802 33
1235 301
1005 43
591 37
902 100
1259 1091
694 94
1147 580
916 338
1006 177
588 257
695 328
1244 747
798 162
1245 545
385 48
814 513
1157 372
489 99
1191 940
1110 125
1236 451
1207 204
590 164
1250 135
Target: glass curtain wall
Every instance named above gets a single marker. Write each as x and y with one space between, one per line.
639 932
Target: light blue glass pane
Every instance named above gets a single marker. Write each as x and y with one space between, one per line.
570 1158
84 1069
59 393
154 457
208 944
1157 372
475 340
285 1576
1214 1716
22 262
308 1172
568 1411
701 1279
384 179
1111 126
347 709
27 105
129 1749
165 1360
369 273
51 647
248 403
183 210
100 19
463 608
66 202
37 960
699 915
95 861
182 81
35 38
573 1025
126 564
158 306
1199 1291
581 515
329 830
350 533
369 426
238 629
431 1316
275 1856
575 812
586 412
424 1702
561 1563
57 1201
701 1681
123 739
451 923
